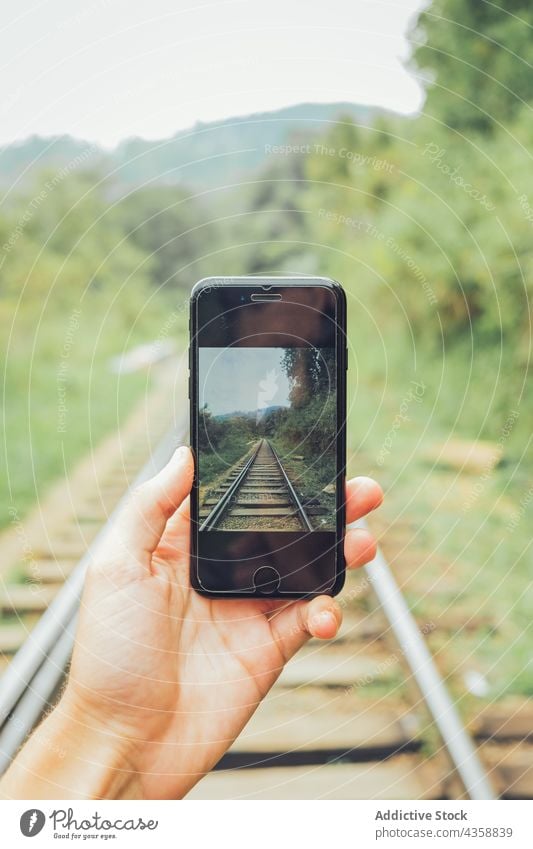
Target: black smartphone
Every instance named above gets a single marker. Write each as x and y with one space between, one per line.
268 359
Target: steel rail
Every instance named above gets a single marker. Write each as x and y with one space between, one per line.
303 514
455 737
38 696
213 517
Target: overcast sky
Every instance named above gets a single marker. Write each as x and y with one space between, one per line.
104 70
255 376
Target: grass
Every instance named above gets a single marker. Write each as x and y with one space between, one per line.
459 542
217 463
309 477
40 444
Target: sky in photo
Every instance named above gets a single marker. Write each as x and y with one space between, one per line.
242 379
104 70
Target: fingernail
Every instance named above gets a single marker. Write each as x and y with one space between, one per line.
325 617
365 484
181 452
369 485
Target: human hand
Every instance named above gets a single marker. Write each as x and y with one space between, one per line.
163 678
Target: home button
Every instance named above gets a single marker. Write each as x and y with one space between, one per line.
266 580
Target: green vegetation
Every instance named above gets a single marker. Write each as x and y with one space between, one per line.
480 57
75 290
221 443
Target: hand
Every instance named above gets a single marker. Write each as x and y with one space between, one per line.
167 677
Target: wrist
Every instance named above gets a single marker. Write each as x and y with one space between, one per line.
99 749
73 755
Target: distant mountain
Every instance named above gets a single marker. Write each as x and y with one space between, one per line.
265 411
240 414
249 414
221 150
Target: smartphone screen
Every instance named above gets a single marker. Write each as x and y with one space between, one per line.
267 428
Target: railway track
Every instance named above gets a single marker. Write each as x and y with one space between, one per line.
257 493
367 716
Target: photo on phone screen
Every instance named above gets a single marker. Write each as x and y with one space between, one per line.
268 407
267 430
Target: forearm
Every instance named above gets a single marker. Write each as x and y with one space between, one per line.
69 757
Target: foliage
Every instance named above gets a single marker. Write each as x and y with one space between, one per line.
479 59
221 442
74 291
166 226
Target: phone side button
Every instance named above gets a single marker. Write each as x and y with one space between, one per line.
346 359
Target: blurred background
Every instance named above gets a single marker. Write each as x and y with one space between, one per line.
385 144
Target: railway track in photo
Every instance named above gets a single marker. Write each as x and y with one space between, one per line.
256 494
368 716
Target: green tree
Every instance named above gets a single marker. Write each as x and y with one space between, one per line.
163 222
478 59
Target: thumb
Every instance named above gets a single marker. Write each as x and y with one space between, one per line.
142 521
